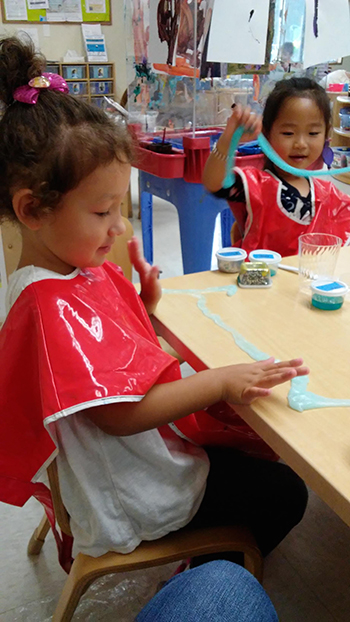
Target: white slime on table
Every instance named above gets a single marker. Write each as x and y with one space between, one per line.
299 398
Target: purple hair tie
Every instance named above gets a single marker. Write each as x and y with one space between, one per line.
29 93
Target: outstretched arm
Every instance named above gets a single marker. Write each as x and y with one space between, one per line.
164 403
215 167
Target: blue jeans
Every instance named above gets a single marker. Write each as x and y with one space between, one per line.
219 591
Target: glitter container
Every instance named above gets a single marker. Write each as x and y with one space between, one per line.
254 274
327 294
230 259
270 257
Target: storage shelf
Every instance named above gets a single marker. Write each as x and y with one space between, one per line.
344 177
340 138
343 99
88 95
346 133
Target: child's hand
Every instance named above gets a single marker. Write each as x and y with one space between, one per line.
243 384
151 291
241 116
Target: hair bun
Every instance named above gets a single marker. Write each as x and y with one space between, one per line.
19 63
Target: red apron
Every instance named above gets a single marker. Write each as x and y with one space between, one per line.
267 225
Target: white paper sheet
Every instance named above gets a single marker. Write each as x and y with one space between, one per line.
238 32
16 10
32 32
96 48
64 11
91 30
333 26
38 4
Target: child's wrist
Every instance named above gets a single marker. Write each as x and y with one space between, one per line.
224 142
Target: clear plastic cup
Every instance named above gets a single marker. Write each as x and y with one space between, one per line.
318 254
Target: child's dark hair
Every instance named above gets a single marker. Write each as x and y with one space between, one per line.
295 87
50 146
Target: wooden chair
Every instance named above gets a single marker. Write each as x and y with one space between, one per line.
176 546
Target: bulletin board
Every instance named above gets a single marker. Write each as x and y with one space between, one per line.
18 12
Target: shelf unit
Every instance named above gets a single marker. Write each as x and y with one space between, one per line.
340 138
89 81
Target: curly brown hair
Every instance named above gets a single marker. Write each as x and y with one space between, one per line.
51 146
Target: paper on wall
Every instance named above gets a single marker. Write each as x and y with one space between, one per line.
327 28
16 10
90 30
38 4
158 51
238 32
95 6
64 11
32 32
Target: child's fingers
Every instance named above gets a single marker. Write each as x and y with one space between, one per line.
254 393
272 379
135 255
270 364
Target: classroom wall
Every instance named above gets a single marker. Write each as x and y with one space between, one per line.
63 37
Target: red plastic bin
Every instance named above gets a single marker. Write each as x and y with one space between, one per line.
160 164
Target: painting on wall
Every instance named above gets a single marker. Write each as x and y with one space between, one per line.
174 46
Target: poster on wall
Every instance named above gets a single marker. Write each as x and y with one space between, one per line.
238 32
64 11
59 11
15 10
38 4
327 27
172 39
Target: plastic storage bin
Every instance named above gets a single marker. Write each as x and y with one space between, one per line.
74 72
344 116
341 157
100 71
77 88
52 68
103 88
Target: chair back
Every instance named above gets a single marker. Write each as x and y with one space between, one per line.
61 514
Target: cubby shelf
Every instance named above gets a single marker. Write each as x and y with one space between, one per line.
90 81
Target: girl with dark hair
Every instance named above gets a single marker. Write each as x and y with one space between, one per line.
272 207
85 379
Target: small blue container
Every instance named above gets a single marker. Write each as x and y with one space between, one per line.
271 258
230 259
328 295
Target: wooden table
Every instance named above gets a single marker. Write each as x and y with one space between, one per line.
281 322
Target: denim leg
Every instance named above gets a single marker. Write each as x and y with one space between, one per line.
216 592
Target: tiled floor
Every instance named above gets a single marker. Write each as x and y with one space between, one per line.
307 576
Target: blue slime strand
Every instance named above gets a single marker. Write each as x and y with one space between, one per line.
299 398
229 179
